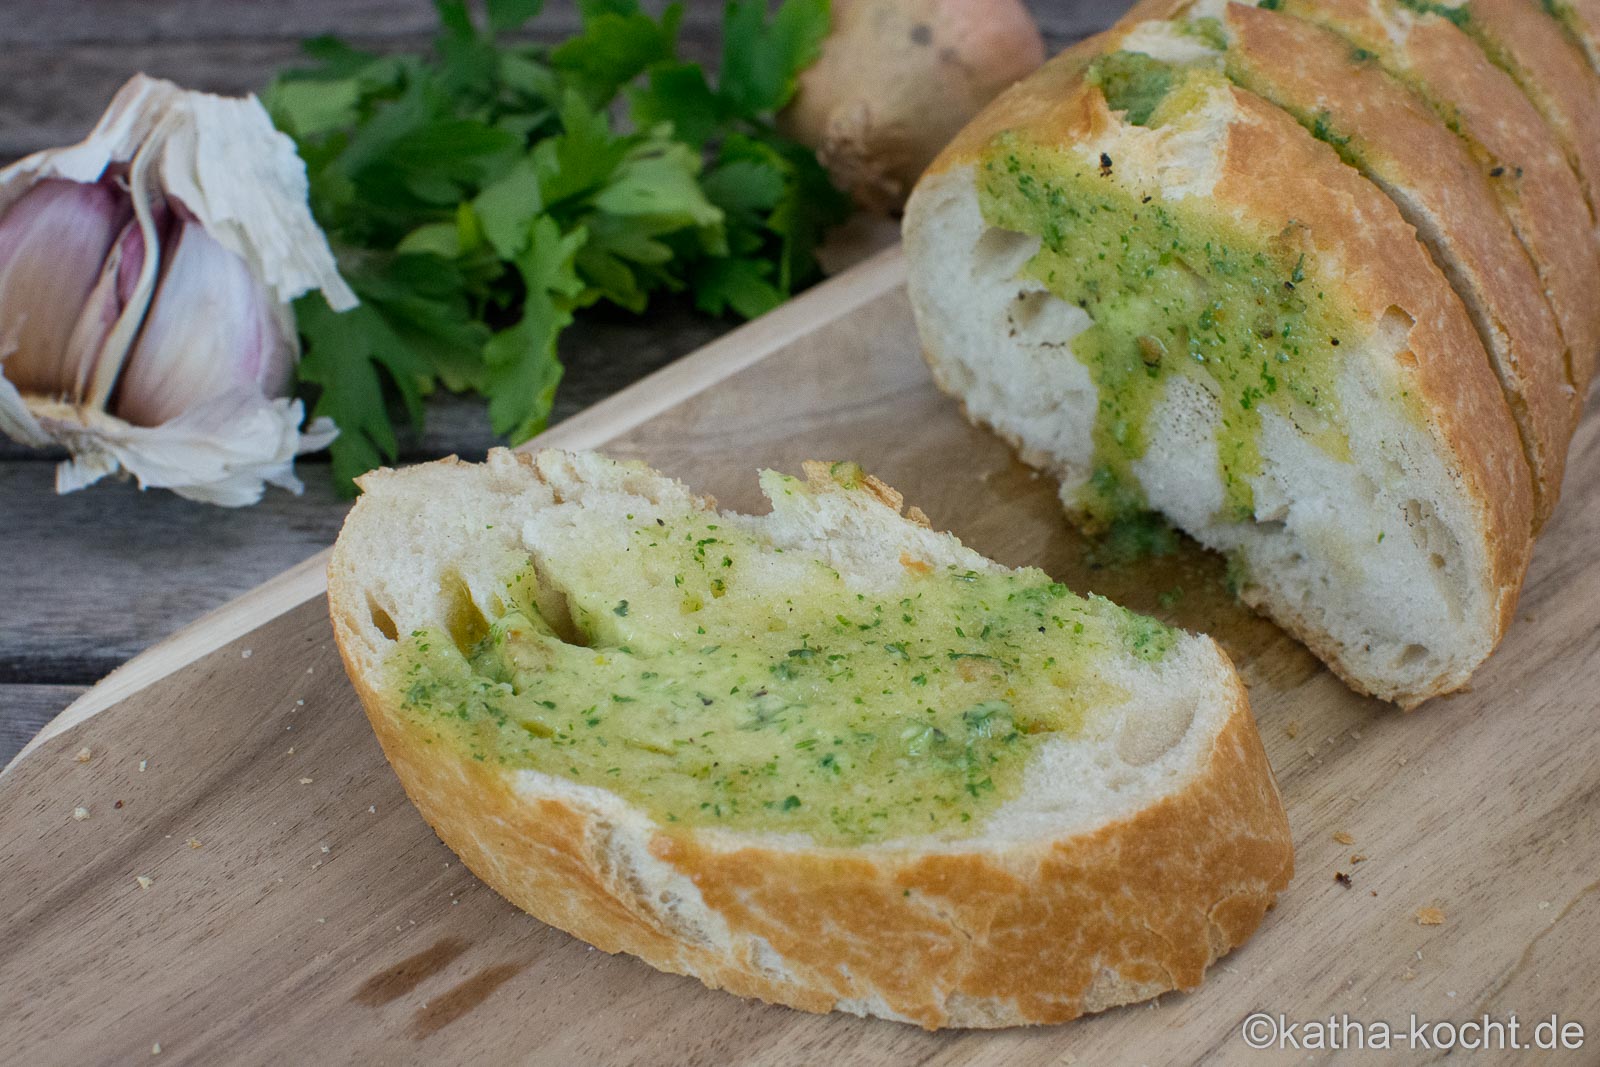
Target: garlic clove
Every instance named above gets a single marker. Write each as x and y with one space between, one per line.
114 310
53 241
211 327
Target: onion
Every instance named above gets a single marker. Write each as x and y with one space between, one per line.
897 79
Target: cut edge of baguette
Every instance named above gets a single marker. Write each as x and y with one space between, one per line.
1071 912
1451 493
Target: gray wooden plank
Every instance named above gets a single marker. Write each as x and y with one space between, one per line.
25 708
62 60
57 22
60 22
98 575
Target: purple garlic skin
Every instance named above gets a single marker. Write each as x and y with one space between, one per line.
53 243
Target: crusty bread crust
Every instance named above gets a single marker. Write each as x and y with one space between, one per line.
1555 74
1523 159
1381 266
986 936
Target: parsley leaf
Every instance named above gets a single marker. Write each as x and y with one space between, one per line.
481 195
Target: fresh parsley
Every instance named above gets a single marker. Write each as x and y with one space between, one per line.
480 196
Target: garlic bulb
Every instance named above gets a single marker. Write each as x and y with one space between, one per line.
145 281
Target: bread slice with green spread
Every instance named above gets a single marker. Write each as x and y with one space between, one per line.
824 756
1167 292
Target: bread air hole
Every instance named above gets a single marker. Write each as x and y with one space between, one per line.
1411 656
555 607
382 619
1040 317
1148 736
1002 253
463 619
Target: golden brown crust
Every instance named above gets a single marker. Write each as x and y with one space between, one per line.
1553 71
1379 265
1038 933
1583 23
1520 155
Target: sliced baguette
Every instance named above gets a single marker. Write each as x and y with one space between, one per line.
1390 134
1520 156
1138 851
1399 564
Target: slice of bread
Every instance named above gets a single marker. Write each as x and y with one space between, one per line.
1518 153
938 790
1188 303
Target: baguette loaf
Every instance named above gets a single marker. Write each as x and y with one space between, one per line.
1179 299
1097 826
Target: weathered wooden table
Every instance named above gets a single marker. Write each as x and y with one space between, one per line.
90 579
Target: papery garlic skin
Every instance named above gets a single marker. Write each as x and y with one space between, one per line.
164 356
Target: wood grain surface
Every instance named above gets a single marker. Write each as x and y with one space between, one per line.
300 911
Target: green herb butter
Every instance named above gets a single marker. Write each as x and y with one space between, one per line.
1171 291
692 689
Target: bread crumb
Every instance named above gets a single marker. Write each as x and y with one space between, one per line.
1344 837
118 805
1358 857
305 781
84 755
144 882
1430 916
914 565
194 842
1292 728
1342 878
80 813
290 752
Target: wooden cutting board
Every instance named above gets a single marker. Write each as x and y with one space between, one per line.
298 910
